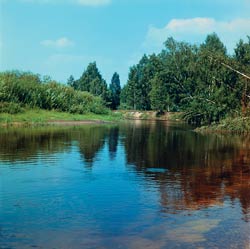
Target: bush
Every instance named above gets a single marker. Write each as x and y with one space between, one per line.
11 108
28 89
80 109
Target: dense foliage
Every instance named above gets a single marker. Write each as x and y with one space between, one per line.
115 91
27 89
200 81
91 81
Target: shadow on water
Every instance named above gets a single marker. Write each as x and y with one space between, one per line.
185 174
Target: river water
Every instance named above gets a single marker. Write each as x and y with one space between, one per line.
135 185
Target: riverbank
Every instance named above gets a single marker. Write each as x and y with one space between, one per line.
233 125
228 125
38 117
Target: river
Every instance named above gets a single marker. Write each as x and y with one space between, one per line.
135 185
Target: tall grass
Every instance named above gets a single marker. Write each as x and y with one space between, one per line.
28 89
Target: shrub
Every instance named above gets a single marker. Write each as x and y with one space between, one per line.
28 89
11 108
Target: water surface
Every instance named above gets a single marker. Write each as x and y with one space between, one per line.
135 185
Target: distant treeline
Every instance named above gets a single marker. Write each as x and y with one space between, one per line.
203 82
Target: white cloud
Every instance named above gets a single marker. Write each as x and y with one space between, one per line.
59 43
200 25
196 29
93 3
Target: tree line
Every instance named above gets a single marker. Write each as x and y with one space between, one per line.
19 90
89 93
203 82
92 81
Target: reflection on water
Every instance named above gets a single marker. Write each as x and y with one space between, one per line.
136 185
206 168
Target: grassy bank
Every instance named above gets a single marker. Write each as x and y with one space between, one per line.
236 125
36 117
39 117
42 117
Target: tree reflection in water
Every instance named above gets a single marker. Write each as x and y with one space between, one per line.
191 171
196 171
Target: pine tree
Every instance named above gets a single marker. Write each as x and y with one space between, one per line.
115 91
92 81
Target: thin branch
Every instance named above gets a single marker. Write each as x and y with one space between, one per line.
231 68
238 72
196 97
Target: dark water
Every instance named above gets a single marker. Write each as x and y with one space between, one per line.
136 185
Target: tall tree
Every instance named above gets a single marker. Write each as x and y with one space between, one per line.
139 83
115 91
214 44
214 96
92 81
131 92
179 69
242 57
159 97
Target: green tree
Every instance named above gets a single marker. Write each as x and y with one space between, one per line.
124 98
214 96
179 70
130 92
158 95
27 89
214 45
92 81
115 91
242 59
135 94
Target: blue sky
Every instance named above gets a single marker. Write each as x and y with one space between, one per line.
60 37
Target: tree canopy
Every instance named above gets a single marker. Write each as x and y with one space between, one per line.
115 91
92 81
202 81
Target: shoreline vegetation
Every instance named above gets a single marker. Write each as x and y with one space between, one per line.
239 125
38 117
202 85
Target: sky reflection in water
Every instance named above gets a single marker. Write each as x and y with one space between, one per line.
136 185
